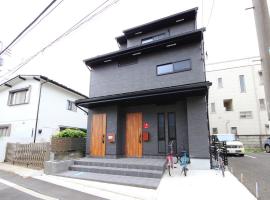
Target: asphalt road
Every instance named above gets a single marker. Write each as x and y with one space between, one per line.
16 187
255 167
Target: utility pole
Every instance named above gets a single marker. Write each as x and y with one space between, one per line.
262 21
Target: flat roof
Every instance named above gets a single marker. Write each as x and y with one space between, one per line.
184 38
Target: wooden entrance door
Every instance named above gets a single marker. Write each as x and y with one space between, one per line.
134 135
98 135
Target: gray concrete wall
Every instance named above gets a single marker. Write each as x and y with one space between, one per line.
169 31
111 79
253 141
198 127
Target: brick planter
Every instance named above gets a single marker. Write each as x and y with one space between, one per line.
68 144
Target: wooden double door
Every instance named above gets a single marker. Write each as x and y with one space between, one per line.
133 146
133 135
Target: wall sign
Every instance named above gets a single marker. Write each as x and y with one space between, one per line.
145 125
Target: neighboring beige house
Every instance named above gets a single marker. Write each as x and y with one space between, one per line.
237 100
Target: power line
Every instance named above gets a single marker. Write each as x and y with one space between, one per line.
70 30
46 15
27 27
212 8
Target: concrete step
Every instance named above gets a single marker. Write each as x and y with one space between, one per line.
150 183
153 165
118 171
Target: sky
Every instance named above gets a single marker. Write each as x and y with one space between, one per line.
230 33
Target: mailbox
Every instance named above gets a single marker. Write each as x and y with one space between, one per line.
111 137
146 136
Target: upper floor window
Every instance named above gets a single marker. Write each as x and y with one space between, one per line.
127 61
71 106
228 104
246 115
260 73
262 104
153 38
180 66
213 108
242 83
234 130
220 83
17 97
4 130
214 130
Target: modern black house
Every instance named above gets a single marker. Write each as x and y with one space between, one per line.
151 91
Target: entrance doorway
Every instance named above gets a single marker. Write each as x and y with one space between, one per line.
133 135
98 133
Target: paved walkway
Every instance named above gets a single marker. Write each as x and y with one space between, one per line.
199 184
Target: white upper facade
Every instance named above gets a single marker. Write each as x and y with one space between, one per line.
35 108
236 98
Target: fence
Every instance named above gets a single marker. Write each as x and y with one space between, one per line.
30 155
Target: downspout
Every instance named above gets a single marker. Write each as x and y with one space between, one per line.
40 89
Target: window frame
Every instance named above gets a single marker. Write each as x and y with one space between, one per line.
27 96
8 126
214 133
164 131
234 127
69 102
173 69
242 82
251 115
220 86
211 108
153 38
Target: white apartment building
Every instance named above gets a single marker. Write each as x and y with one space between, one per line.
33 108
237 100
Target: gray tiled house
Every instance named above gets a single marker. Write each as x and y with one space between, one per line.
151 91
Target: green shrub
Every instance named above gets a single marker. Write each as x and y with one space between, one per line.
71 133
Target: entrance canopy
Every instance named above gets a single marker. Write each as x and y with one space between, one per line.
160 95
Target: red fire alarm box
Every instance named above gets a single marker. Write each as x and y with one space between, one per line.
146 136
111 137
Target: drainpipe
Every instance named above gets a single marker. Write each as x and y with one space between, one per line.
40 89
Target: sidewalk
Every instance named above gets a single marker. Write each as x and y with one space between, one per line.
199 184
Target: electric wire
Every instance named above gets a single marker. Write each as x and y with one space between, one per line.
27 27
211 12
85 19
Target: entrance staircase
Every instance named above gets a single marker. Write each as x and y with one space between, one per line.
138 172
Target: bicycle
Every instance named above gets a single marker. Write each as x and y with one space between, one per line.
169 158
219 161
184 161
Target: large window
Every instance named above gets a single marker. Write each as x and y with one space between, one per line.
4 130
153 38
171 126
246 115
214 130
242 83
161 133
71 106
17 97
180 66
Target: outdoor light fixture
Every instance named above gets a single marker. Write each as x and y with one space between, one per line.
171 45
138 33
138 53
179 20
107 61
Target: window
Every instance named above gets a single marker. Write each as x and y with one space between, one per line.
17 97
234 130
246 115
228 104
242 83
213 107
215 130
262 104
220 84
161 133
260 77
128 61
153 38
4 130
71 106
180 66
171 126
